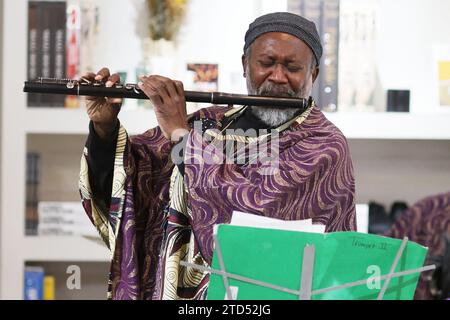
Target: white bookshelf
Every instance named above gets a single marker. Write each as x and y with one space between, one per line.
391 125
64 249
374 125
13 149
75 121
386 148
16 249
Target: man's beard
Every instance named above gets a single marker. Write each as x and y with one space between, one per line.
273 116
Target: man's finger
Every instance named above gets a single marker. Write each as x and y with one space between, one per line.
89 76
164 85
174 88
179 87
160 83
113 79
171 89
149 92
152 87
102 74
156 100
114 101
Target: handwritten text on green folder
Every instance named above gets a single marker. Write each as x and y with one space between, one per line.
275 256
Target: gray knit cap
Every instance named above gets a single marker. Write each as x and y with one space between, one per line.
286 22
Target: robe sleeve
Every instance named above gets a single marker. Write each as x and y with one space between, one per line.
139 166
136 166
101 165
427 223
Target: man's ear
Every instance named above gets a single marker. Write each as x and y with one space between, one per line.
315 73
244 63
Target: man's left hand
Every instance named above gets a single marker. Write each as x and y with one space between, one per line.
167 97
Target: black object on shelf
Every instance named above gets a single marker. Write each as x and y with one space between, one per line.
397 209
32 193
398 100
381 220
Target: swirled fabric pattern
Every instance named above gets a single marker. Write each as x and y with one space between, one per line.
159 217
427 222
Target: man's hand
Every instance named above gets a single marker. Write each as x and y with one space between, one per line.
168 100
101 110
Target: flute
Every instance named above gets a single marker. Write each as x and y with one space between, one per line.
85 87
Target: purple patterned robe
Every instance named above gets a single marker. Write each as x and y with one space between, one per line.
426 222
159 217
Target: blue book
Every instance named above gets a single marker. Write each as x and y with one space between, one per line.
34 283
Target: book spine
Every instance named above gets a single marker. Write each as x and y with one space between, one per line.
329 65
49 288
325 14
311 10
73 17
34 283
46 48
34 49
88 34
32 185
58 12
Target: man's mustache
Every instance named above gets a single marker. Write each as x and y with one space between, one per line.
276 90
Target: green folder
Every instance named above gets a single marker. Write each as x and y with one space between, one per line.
275 257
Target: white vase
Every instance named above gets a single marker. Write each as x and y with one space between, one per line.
159 56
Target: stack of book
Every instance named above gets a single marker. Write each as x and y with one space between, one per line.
325 14
32 194
64 218
46 47
60 45
37 285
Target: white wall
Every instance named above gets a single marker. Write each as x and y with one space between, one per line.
1 102
406 170
407 32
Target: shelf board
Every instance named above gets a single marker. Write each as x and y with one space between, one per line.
63 248
391 125
376 125
75 121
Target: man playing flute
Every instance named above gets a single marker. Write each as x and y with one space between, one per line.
155 197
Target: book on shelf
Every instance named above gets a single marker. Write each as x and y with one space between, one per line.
32 193
329 64
38 285
325 14
64 218
82 31
34 283
59 45
34 44
359 86
73 17
46 50
46 47
49 288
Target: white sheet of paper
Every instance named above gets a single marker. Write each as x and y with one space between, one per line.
252 220
362 218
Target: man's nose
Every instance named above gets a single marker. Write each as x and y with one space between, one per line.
278 74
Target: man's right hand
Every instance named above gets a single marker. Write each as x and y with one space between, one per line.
101 110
